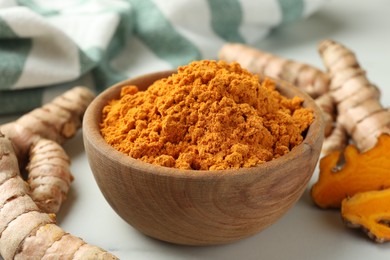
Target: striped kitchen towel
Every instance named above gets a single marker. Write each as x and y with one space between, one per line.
46 47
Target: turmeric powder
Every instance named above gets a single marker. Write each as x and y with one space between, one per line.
210 115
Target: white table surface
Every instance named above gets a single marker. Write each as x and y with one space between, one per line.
305 232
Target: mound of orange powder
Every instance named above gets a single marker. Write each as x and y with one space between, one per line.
210 115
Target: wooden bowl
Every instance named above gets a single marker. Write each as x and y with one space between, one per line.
199 207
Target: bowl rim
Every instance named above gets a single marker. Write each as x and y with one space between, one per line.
91 133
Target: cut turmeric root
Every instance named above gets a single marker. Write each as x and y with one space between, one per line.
369 211
356 179
361 172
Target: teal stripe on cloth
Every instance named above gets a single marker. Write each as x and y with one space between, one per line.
20 101
88 58
37 8
226 19
13 53
156 32
5 31
291 10
104 74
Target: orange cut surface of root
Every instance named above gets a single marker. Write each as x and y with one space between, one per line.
361 172
369 211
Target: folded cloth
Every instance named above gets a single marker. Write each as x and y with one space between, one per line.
46 47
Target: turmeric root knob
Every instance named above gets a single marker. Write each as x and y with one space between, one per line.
357 99
49 175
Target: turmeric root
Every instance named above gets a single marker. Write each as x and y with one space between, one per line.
337 140
369 211
359 110
310 79
57 121
25 231
54 123
361 172
326 104
49 176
